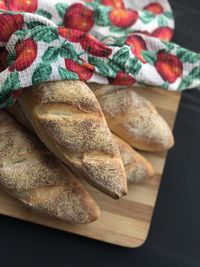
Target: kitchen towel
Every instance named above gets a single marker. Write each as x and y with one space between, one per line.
120 42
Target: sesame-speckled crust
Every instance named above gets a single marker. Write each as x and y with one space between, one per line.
133 118
33 175
68 119
138 169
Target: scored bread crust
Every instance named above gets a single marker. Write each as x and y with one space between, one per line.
133 118
138 169
33 175
68 119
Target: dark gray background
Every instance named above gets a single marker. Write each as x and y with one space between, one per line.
174 238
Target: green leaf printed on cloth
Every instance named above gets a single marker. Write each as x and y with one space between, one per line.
120 57
187 56
21 33
46 34
162 22
133 66
103 67
31 25
44 13
51 54
168 14
146 16
41 73
188 80
168 45
6 101
61 8
149 57
11 83
67 51
67 75
101 16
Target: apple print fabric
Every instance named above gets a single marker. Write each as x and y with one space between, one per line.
121 42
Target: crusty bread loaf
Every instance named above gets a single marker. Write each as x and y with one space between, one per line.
133 118
137 168
33 175
68 119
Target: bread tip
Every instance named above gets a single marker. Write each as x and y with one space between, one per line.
124 193
171 141
94 214
151 171
117 195
90 209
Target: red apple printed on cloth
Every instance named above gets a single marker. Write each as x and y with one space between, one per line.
168 66
122 79
26 53
83 71
9 23
23 5
79 17
70 34
113 3
163 33
155 8
3 5
137 46
123 18
3 58
94 46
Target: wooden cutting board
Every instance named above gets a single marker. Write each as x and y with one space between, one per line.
123 222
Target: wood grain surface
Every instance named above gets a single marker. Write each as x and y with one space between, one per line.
122 222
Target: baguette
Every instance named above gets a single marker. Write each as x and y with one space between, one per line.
133 118
30 173
137 168
68 119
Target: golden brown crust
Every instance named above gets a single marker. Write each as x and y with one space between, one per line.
133 118
137 168
37 178
16 111
68 119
